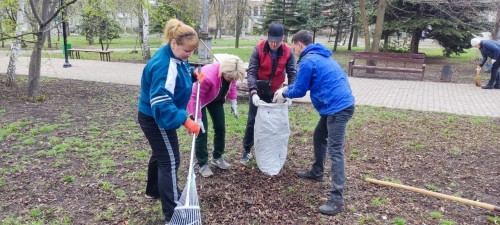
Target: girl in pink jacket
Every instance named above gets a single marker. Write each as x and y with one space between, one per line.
220 81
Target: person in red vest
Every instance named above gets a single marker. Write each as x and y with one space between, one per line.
269 62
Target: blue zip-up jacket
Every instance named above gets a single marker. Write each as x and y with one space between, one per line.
489 48
318 72
165 89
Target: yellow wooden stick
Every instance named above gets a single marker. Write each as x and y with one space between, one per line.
435 194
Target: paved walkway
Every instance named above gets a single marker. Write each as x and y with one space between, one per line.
464 99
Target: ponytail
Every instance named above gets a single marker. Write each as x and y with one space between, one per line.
181 33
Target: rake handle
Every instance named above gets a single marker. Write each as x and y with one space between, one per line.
209 50
193 143
435 194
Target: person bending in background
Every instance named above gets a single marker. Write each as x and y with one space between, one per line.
220 81
166 86
489 48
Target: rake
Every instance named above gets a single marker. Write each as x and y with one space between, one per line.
187 210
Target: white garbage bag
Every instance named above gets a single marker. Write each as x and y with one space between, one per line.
271 134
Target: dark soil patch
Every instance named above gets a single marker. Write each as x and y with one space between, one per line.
91 168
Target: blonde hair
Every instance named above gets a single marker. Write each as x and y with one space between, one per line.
233 67
181 33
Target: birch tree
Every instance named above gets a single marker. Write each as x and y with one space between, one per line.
146 54
15 46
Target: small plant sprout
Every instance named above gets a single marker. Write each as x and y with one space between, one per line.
435 214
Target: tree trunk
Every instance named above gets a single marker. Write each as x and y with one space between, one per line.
34 68
240 6
1 36
146 54
362 12
386 35
58 31
353 20
379 25
101 43
415 40
494 34
314 36
49 40
16 45
355 38
337 36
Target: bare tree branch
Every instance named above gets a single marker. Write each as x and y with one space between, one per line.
35 13
35 32
57 12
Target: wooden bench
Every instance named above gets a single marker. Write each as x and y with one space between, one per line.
379 57
105 54
49 44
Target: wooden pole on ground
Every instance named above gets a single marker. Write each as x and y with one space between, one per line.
435 194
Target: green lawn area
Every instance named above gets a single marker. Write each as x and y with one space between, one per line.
244 52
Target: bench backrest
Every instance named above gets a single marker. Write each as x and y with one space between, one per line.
391 57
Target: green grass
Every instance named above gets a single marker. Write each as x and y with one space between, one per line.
368 219
29 141
432 187
446 222
470 54
398 221
435 214
106 186
243 53
379 201
2 182
68 179
455 151
128 41
493 219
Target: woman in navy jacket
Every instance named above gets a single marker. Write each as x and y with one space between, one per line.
165 91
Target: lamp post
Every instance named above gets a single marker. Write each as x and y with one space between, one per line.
66 63
203 52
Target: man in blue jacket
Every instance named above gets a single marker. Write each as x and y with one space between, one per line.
331 95
489 48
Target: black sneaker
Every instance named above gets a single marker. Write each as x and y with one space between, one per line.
332 208
246 157
487 87
309 175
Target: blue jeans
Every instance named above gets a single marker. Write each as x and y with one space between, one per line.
329 135
495 77
163 164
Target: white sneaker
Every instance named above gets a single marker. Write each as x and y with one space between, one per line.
205 171
149 196
221 163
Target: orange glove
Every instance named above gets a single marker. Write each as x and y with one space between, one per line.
199 76
192 127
